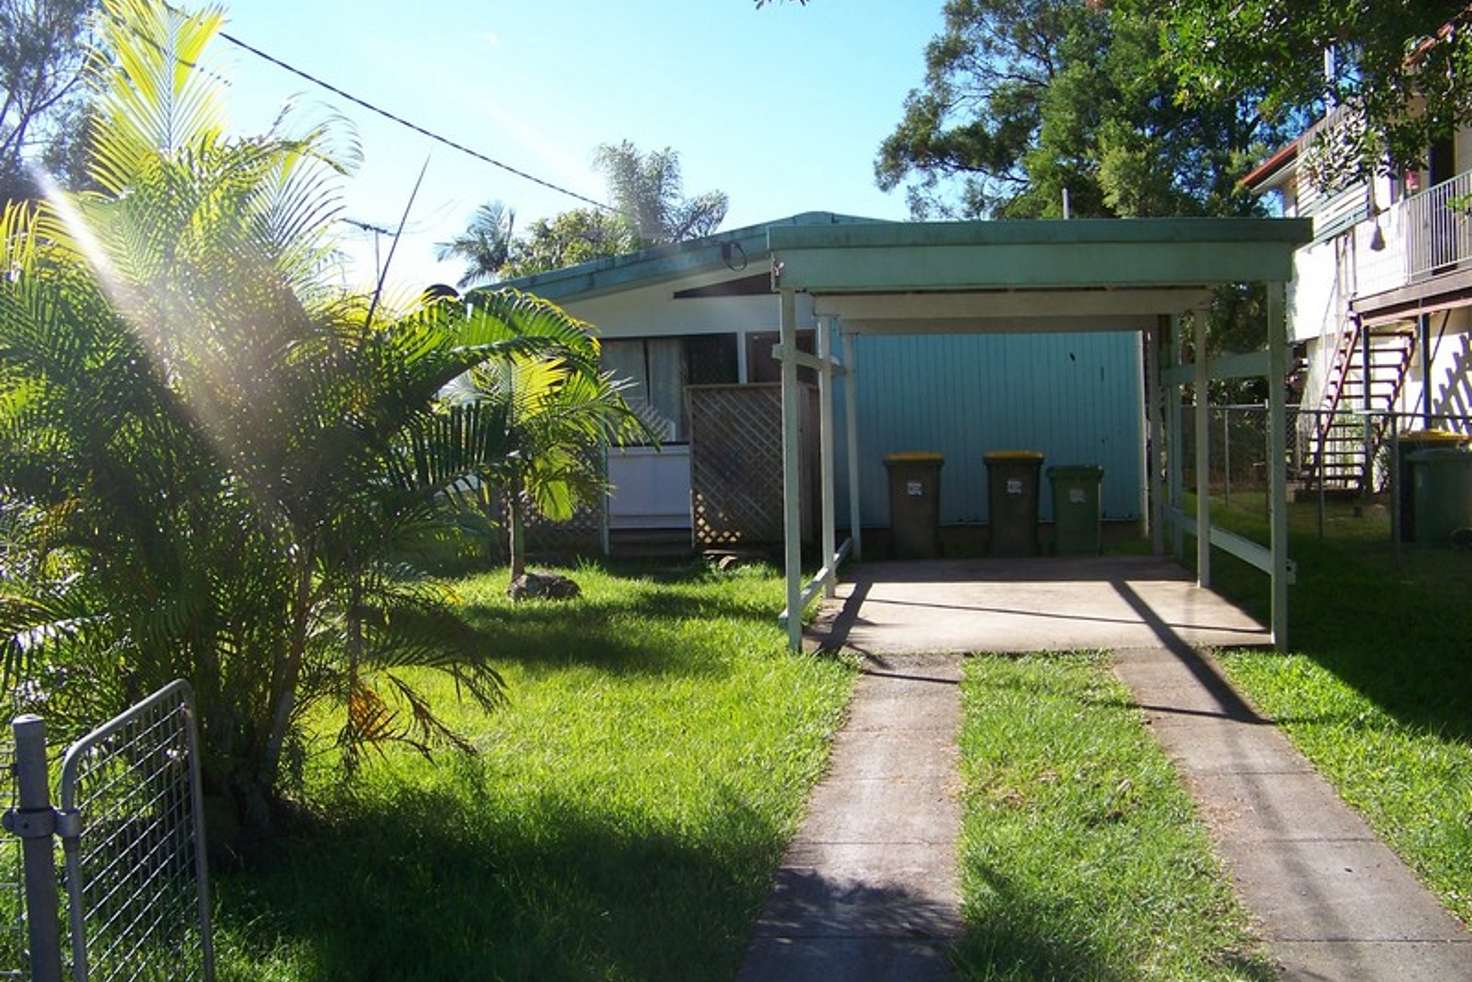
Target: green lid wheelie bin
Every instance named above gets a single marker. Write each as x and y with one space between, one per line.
1012 501
1076 514
1442 488
914 504
1408 444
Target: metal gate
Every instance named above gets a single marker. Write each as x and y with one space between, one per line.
131 829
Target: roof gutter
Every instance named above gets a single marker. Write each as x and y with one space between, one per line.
1262 177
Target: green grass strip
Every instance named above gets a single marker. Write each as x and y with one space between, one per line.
622 819
1413 783
1377 691
1081 855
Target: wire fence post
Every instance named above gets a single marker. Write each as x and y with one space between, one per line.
1227 456
1267 499
1321 504
1395 516
34 821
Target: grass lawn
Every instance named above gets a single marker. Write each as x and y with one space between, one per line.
1377 689
1081 855
622 819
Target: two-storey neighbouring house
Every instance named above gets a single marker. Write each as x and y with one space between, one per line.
1381 302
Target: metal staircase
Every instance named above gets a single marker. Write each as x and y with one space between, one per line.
1337 457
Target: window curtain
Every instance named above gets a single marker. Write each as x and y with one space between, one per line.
666 358
657 368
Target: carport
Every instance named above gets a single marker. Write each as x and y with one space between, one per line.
1154 276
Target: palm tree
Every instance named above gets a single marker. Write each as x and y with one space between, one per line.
648 187
209 455
558 413
485 245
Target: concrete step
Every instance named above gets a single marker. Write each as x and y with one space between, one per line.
650 543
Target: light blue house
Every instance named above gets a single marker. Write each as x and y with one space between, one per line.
703 313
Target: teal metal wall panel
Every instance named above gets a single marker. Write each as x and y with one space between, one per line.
1075 397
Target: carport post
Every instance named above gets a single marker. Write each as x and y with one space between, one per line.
825 449
851 423
1147 523
1153 337
1203 456
1176 447
791 502
1277 454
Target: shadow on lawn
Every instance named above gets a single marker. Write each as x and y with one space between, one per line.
1397 634
648 627
1018 936
448 886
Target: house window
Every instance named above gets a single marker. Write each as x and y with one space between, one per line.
762 367
660 368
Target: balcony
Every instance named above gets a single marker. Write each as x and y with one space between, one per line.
1438 229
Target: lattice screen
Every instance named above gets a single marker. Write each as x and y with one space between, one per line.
736 463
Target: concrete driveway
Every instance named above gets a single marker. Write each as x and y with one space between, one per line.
1041 604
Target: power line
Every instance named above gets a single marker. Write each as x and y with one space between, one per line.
452 144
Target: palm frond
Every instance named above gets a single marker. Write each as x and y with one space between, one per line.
150 97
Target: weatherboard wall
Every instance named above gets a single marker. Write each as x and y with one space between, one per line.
1075 397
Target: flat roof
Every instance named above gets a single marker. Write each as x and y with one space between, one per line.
913 257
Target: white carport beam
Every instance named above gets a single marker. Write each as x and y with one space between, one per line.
805 360
1240 546
851 424
791 493
825 453
1003 304
811 588
988 324
1251 364
1203 456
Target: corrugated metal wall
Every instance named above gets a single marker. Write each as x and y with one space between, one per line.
1075 397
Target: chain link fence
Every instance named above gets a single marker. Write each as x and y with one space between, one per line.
1237 442
1353 461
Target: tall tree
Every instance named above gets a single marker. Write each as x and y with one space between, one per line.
43 48
569 238
1024 99
1402 69
648 187
209 455
485 245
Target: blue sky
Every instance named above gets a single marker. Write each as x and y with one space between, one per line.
782 108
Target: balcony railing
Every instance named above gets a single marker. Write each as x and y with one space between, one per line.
1438 224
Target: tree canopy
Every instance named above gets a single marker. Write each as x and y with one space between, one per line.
214 462
485 245
647 186
1024 99
43 49
569 238
1399 68
647 189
